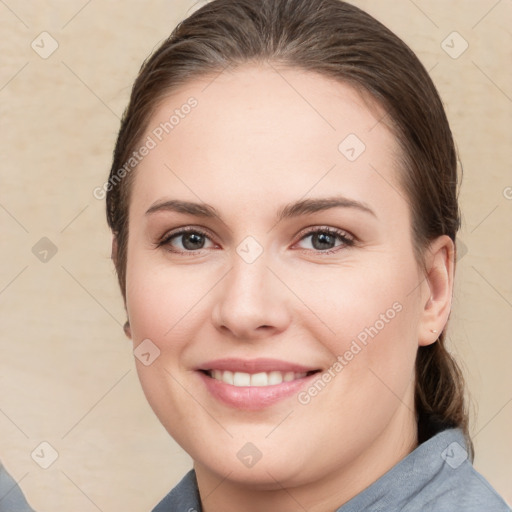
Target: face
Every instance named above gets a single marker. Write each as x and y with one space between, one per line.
270 265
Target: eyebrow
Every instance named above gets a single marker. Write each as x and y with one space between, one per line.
295 209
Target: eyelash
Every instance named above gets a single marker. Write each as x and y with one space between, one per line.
346 239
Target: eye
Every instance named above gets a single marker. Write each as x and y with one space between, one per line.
327 240
186 240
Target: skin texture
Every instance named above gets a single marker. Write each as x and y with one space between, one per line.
261 137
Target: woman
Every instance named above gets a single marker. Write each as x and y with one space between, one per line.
283 202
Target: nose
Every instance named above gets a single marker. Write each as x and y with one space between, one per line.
251 301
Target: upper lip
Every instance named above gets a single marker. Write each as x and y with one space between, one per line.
254 366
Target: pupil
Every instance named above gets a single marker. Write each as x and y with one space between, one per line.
191 240
325 241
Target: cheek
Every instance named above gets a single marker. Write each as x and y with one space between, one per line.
368 322
162 301
360 302
162 307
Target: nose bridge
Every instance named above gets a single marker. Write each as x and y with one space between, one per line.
251 299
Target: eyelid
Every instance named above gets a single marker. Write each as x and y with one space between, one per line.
349 241
166 237
184 229
315 229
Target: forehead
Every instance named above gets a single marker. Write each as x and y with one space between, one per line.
259 128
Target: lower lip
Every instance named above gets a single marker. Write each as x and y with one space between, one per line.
252 398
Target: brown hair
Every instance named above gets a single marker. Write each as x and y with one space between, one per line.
339 41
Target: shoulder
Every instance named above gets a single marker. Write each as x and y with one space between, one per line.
478 493
460 489
454 484
435 477
183 498
11 496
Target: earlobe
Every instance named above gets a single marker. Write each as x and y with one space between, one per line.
127 329
113 256
437 290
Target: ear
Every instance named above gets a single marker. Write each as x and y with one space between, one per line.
113 255
437 289
127 330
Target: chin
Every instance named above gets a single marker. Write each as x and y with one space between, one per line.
242 462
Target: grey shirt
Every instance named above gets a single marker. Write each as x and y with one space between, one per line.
11 497
437 476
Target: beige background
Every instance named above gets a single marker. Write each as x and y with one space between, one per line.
67 372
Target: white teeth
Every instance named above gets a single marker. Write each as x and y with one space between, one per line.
288 376
275 378
262 379
241 379
259 379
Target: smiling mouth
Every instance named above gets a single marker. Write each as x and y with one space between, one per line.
261 379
